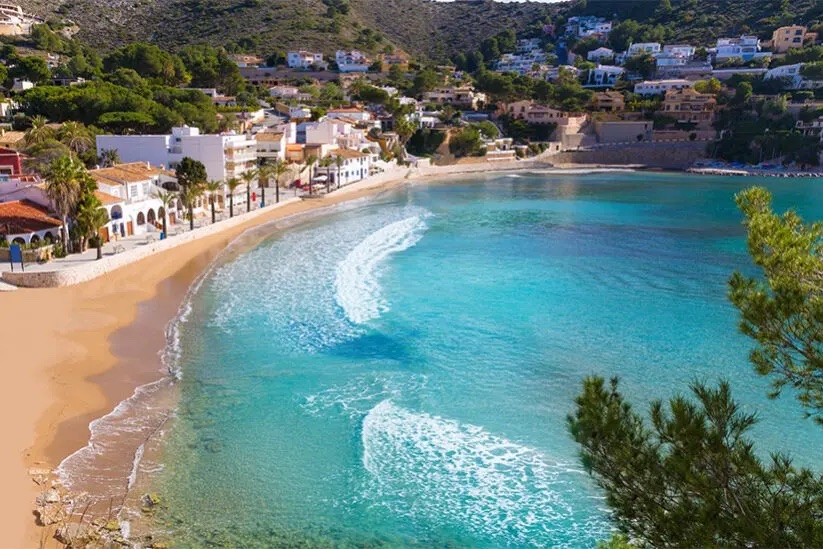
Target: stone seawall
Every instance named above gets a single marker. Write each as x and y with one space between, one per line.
77 274
670 156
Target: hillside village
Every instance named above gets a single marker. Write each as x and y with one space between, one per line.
310 122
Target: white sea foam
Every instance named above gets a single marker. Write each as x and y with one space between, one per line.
357 397
444 473
357 284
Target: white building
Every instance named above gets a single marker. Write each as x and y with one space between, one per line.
354 167
224 155
351 61
271 145
792 75
588 25
129 194
351 113
604 76
679 50
655 87
745 48
644 47
600 54
667 61
303 59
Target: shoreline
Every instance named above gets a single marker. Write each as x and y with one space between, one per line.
107 334
104 339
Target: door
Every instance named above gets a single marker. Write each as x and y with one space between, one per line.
129 228
104 234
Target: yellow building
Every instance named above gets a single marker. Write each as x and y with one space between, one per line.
397 59
689 106
791 37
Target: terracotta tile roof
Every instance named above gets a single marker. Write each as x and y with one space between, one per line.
25 216
347 109
348 153
295 147
269 136
132 172
11 138
107 199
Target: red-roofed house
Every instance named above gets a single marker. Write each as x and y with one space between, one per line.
24 222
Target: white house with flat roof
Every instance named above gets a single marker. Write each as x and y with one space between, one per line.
680 50
302 59
224 155
644 47
745 48
604 76
351 61
655 87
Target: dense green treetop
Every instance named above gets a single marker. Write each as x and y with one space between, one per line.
150 62
783 311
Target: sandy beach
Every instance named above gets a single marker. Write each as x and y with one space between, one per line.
70 354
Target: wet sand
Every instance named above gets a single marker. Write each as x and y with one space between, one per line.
70 354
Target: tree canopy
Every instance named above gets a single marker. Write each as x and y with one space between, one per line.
783 311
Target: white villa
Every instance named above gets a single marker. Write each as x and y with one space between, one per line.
351 61
793 76
604 76
655 87
745 48
129 195
644 47
302 59
600 54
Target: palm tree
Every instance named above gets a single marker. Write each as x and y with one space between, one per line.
75 136
91 220
212 187
166 199
232 183
39 132
264 174
109 157
310 161
338 161
278 169
63 187
329 162
189 195
248 178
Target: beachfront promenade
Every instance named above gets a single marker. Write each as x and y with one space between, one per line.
78 268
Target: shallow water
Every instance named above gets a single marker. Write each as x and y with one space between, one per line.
399 372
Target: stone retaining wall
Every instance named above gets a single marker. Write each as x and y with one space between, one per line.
672 156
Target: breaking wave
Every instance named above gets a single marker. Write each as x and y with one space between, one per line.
443 473
357 284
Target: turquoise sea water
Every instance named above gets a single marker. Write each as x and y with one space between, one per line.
398 372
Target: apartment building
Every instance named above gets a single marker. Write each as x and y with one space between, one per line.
224 155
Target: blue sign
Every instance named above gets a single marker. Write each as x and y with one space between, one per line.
16 254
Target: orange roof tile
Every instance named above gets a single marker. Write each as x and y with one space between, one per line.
25 216
107 199
348 153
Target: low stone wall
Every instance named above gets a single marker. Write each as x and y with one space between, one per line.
670 156
88 271
537 162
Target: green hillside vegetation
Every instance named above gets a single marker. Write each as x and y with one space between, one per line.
424 29
699 22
